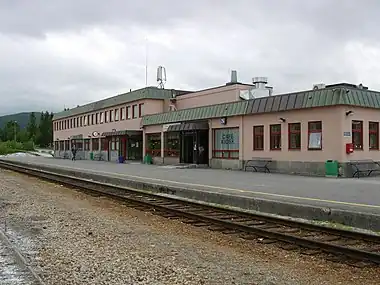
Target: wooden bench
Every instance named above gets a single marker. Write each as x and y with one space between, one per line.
257 163
366 166
99 156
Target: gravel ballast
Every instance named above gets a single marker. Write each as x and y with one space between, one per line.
73 238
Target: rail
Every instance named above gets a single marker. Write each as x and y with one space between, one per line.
356 246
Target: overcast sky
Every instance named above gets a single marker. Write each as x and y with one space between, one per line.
66 52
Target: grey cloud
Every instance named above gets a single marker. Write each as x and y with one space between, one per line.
294 43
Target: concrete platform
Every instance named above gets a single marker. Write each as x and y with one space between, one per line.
354 202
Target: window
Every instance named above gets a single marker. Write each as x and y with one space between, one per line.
89 120
77 122
226 143
111 116
86 144
373 135
122 113
106 117
134 111
78 144
71 123
171 144
116 114
81 121
56 146
275 137
61 145
141 110
101 117
357 134
92 119
104 144
258 138
67 145
85 120
97 118
95 144
294 135
154 144
315 135
129 114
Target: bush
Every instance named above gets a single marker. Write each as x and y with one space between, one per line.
13 147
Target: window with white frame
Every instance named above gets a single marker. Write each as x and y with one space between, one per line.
111 116
85 120
101 117
129 113
116 114
122 110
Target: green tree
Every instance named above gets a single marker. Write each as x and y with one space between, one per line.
32 127
11 130
45 129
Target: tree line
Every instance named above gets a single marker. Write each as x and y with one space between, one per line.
40 133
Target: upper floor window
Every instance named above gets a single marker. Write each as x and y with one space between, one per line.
116 114
258 138
141 110
89 120
122 111
101 117
129 113
97 118
357 134
92 119
111 116
315 135
294 135
134 111
275 137
106 116
373 135
85 120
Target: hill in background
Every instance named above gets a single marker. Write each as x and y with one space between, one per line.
21 118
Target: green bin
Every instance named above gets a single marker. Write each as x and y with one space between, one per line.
91 155
148 159
331 168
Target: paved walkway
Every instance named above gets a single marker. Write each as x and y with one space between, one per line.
347 193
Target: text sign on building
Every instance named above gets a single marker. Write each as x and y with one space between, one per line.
346 134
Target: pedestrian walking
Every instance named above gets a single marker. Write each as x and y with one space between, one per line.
74 153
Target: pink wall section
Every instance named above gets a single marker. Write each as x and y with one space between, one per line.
213 96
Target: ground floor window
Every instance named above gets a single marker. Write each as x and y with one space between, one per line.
357 134
153 144
104 144
275 137
67 145
87 145
78 144
56 146
315 135
226 143
61 145
258 138
294 130
114 143
95 144
373 135
171 144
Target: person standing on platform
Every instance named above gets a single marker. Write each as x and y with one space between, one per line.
73 152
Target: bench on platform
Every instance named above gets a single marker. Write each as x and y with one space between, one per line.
257 163
366 167
99 156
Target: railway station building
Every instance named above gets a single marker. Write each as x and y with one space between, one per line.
227 126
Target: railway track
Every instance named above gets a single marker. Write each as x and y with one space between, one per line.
355 248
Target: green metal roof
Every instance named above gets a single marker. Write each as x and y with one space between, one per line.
315 98
329 96
144 93
199 113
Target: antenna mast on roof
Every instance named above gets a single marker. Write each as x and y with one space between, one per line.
146 61
161 77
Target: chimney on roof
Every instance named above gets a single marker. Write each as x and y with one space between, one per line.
233 78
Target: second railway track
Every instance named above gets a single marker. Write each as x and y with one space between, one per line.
348 246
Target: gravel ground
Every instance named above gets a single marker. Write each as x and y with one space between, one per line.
76 239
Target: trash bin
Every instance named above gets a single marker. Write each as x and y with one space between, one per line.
148 159
91 155
121 159
331 168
